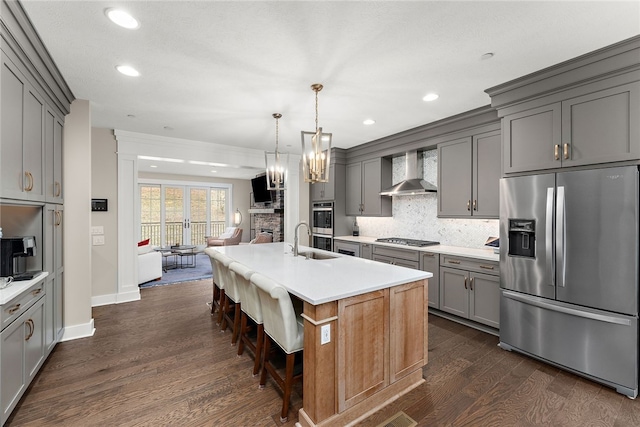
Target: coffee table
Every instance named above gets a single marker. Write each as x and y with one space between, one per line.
175 252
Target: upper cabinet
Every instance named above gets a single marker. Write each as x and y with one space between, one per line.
468 176
580 112
597 127
21 121
364 182
325 191
53 128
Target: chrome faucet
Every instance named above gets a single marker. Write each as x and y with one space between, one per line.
295 236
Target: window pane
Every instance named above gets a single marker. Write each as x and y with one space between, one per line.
218 211
150 213
198 213
174 214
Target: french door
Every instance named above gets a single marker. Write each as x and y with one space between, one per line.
182 215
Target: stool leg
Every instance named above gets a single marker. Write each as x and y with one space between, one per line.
288 384
259 344
236 323
221 307
243 333
265 361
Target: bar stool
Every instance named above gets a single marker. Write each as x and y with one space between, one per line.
215 302
251 312
230 298
282 327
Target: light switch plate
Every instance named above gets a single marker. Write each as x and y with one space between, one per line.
98 240
97 229
325 334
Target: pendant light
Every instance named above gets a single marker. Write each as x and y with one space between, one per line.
316 149
276 163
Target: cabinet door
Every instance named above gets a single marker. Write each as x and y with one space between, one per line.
431 263
11 97
58 129
602 127
531 139
12 366
321 191
34 339
454 178
354 189
365 251
49 314
484 301
486 175
53 157
57 305
454 292
376 175
33 144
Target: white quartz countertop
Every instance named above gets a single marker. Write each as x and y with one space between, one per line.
485 254
318 281
16 288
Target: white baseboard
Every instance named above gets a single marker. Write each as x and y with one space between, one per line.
115 298
75 332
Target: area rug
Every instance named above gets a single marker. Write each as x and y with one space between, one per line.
202 270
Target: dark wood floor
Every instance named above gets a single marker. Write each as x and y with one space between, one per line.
162 361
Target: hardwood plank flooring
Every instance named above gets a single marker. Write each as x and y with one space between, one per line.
162 361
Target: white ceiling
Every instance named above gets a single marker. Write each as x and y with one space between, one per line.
215 71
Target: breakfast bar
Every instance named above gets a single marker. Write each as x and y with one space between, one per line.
377 319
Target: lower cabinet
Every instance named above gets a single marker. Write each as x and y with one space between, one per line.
402 257
431 263
366 250
468 293
346 248
21 354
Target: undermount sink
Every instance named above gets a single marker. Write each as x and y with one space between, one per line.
316 255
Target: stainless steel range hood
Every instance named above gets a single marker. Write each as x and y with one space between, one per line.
413 183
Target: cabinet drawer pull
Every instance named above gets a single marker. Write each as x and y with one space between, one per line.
58 218
36 291
468 205
556 152
465 283
451 261
565 151
32 328
475 205
487 267
471 283
14 309
430 255
57 189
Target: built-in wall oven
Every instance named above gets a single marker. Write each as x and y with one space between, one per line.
322 225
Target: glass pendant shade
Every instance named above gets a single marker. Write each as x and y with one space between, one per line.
316 150
316 156
276 164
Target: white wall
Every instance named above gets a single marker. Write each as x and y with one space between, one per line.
416 217
77 221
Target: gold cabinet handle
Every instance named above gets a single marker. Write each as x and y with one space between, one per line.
556 152
469 205
58 218
565 151
430 255
57 189
475 205
14 309
452 261
32 328
36 291
487 267
471 283
465 283
29 177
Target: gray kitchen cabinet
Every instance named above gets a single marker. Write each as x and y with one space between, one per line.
346 248
431 263
470 289
324 191
468 176
402 257
22 123
596 127
53 129
21 345
53 263
364 182
366 250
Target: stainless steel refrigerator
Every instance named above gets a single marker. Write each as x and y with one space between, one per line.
569 255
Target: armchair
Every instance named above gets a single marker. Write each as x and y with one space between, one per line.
231 236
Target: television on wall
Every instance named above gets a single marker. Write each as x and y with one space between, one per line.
260 192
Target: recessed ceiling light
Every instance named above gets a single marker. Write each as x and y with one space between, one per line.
122 18
430 97
128 70
487 55
168 128
153 166
369 122
214 171
131 116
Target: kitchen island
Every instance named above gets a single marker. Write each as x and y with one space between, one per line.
377 315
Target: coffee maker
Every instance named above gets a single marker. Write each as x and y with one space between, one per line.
14 252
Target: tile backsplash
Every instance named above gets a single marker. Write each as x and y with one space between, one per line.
416 217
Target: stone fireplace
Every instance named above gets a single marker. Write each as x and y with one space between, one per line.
269 217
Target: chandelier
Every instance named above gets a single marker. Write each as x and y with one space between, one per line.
316 148
276 163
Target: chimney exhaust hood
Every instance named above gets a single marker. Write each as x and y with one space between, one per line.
413 183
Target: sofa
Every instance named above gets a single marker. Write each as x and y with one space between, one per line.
149 264
231 236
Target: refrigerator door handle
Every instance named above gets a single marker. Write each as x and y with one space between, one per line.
538 302
561 237
549 235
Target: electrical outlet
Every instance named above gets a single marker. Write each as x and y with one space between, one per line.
325 334
98 240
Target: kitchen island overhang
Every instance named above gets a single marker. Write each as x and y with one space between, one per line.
377 315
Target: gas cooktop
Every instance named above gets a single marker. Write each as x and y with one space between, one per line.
408 242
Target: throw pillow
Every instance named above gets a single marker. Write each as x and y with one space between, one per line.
144 242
